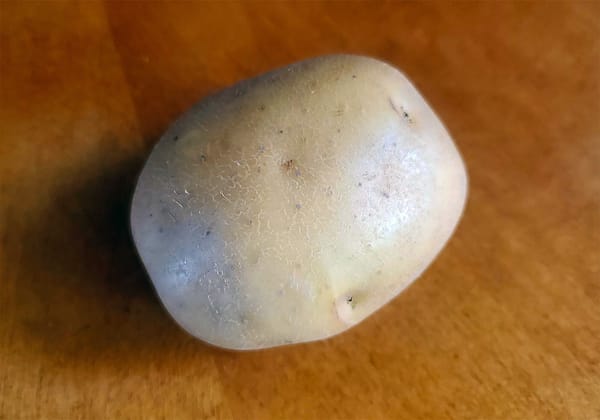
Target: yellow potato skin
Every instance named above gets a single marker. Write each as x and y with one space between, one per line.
291 206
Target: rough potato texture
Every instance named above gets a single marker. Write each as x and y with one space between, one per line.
291 206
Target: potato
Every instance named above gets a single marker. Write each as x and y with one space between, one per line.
291 206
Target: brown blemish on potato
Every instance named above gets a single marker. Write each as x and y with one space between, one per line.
406 116
401 112
289 166
340 110
344 308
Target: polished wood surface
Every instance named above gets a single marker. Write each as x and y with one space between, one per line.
504 325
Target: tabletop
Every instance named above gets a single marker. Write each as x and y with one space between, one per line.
505 324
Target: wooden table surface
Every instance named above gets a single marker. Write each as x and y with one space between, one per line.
504 325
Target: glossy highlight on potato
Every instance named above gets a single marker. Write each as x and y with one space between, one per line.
291 206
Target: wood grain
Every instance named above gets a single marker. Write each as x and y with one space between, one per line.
504 325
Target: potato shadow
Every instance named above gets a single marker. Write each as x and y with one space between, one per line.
86 295
82 293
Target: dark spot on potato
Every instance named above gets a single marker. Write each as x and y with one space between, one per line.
202 158
360 184
207 233
288 165
280 131
298 206
401 112
175 138
393 105
354 76
262 107
369 177
339 131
